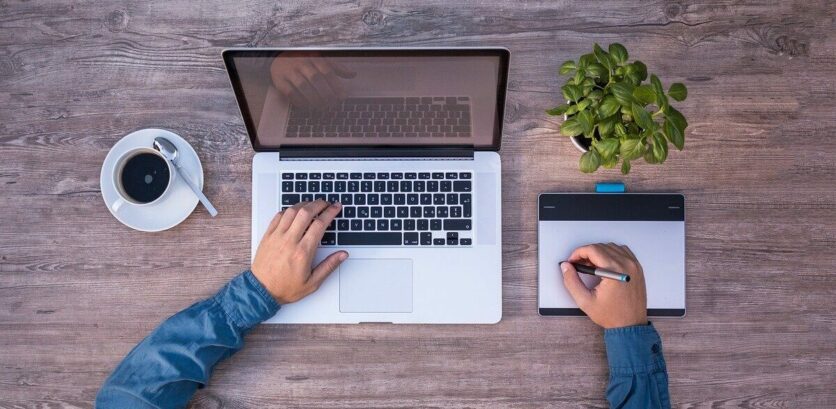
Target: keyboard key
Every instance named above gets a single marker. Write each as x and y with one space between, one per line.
426 239
456 211
438 242
438 175
409 224
307 197
438 199
290 199
464 175
313 187
301 187
366 186
461 186
410 239
429 211
410 175
363 211
286 176
315 176
423 224
442 211
452 175
301 176
424 175
369 175
386 199
373 199
395 224
412 199
346 199
397 175
465 198
446 186
415 211
349 212
435 224
465 242
426 199
356 175
374 239
327 187
368 224
419 186
432 186
287 186
359 199
328 176
342 176
339 186
380 186
457 224
381 175
452 199
343 224
452 235
400 199
377 211
389 212
392 186
353 186
356 225
382 224
406 186
466 210
333 198
328 239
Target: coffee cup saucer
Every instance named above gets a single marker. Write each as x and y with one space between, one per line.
177 203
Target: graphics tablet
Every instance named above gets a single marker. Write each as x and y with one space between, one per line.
652 225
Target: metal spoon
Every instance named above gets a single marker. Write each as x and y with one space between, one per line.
169 152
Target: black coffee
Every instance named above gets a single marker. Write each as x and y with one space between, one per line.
145 177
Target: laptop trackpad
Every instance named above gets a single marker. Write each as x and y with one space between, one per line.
374 285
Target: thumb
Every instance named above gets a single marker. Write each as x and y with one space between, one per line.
577 289
342 71
326 267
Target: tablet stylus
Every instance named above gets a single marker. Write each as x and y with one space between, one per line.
600 272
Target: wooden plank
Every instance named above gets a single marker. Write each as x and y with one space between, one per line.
78 290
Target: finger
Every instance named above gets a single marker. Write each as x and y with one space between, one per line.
304 90
325 268
629 252
594 253
320 223
341 70
577 289
287 217
274 223
304 217
328 73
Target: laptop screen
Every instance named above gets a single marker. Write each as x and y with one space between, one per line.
370 97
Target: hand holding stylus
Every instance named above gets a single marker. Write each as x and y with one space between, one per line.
611 303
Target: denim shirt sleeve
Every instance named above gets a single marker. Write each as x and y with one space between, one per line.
168 366
638 376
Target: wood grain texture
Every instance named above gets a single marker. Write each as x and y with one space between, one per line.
78 290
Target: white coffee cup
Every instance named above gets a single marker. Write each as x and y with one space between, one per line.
142 180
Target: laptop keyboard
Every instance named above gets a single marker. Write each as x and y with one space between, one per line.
383 117
389 208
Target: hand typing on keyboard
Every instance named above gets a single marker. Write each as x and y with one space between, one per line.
284 256
309 80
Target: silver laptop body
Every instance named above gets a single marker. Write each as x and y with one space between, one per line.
407 140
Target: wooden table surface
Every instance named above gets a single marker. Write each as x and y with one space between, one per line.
78 290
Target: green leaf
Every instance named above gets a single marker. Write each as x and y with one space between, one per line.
567 67
678 91
573 109
610 162
606 125
572 92
661 100
579 77
618 53
584 104
607 148
645 94
558 110
571 127
595 95
619 129
623 92
677 118
642 117
602 56
674 134
660 148
640 69
609 106
625 167
597 70
586 120
590 161
631 149
586 60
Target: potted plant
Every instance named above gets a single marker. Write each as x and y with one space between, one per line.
611 115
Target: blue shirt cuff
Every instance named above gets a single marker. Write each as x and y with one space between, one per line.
634 350
245 301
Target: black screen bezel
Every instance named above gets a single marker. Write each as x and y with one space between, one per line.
502 85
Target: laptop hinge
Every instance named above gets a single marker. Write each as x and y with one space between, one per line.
362 153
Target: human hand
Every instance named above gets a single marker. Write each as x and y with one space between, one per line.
283 259
610 304
308 79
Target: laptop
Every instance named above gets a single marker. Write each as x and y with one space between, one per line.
407 140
